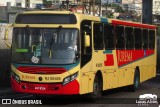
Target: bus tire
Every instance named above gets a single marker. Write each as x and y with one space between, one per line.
136 82
97 89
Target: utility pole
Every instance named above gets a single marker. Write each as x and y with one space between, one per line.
147 11
67 5
27 3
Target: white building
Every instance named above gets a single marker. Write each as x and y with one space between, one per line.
55 2
132 5
156 7
28 3
4 2
22 3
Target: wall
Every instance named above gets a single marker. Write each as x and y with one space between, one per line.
5 56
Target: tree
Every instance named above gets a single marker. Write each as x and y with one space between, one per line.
112 8
47 3
118 9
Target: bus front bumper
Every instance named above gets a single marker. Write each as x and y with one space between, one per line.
45 88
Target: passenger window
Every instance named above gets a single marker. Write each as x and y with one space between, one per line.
145 39
138 38
109 36
151 39
98 36
120 39
129 38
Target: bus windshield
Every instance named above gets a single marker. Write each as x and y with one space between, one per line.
45 45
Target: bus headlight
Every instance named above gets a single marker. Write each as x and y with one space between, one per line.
15 76
74 76
70 78
66 80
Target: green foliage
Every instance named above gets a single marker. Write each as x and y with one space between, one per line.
117 7
47 3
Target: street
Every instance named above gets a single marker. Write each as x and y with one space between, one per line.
121 97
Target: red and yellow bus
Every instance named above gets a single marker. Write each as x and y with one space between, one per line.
65 53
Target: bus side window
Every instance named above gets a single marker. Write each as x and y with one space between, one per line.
109 37
138 38
98 36
151 39
120 37
129 38
145 39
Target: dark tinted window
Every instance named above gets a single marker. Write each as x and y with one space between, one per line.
46 19
138 38
98 36
120 37
151 39
129 38
145 39
109 36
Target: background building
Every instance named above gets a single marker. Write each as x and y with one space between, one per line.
28 3
59 2
22 3
156 11
132 5
156 7
4 2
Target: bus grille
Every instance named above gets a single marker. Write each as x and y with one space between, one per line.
41 70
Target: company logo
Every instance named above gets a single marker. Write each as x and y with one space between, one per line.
146 99
6 101
13 101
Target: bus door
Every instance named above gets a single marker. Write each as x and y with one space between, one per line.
98 46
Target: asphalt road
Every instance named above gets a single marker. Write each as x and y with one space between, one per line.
119 97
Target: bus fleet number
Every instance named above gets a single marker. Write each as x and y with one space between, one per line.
52 78
98 64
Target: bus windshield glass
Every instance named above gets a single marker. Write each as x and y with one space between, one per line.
45 46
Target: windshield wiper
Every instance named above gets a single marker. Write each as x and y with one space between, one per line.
54 34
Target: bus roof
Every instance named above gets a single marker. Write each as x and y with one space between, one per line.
133 24
96 18
47 12
80 16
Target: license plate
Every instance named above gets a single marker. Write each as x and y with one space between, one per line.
40 88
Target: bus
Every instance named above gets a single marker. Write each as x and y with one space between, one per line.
65 53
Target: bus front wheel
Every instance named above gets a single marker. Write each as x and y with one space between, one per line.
97 88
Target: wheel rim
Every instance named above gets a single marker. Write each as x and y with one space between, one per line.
95 90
